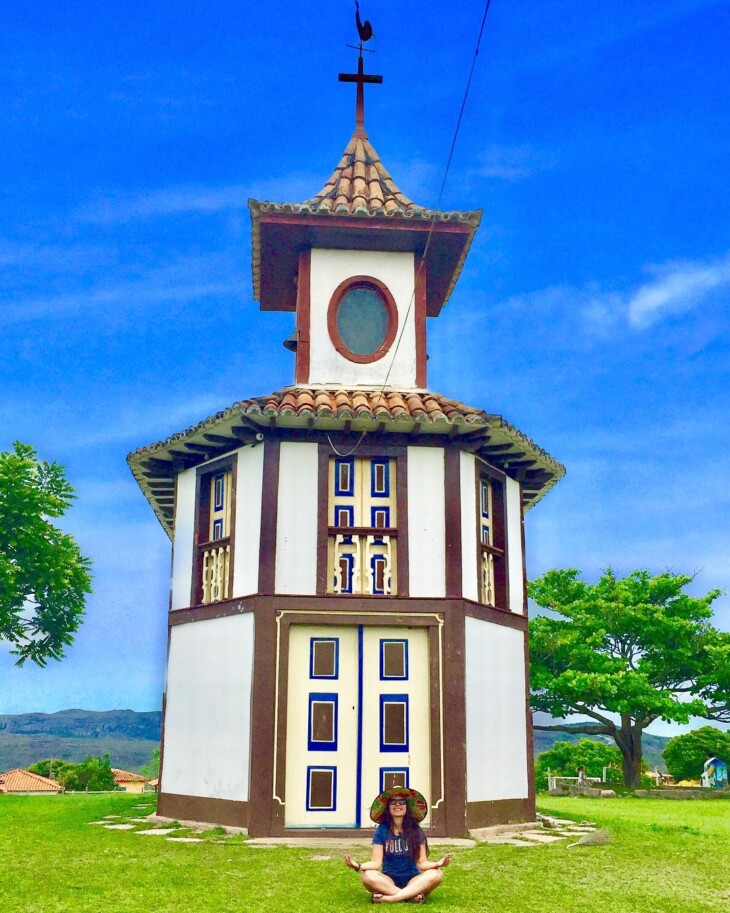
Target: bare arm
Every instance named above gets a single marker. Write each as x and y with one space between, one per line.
375 861
424 863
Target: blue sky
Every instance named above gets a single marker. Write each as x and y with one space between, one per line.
592 312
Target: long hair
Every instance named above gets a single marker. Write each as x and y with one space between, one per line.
411 832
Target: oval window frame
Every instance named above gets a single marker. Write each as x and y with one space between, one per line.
383 292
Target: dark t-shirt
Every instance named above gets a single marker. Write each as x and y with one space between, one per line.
396 860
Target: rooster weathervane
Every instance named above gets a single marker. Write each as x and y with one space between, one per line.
365 33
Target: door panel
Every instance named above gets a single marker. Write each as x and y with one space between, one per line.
321 738
396 712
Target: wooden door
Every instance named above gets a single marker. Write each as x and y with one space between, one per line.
357 720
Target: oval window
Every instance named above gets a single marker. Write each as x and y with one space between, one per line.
365 319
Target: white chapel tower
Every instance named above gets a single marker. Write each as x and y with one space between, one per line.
348 608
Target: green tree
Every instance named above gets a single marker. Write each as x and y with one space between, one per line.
564 758
686 754
54 768
625 652
152 770
93 774
44 579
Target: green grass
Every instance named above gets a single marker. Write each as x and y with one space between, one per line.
665 857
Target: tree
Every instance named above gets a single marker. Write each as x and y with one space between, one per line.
624 653
564 758
686 754
44 578
54 768
93 774
152 770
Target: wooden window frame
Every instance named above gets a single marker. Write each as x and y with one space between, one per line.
365 450
498 547
202 522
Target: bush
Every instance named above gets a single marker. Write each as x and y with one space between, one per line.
92 775
564 759
686 754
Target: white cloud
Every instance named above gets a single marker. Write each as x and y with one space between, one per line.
196 199
511 163
677 288
159 419
183 280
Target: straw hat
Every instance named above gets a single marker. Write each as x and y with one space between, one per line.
414 800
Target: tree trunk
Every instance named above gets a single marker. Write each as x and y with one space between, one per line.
628 739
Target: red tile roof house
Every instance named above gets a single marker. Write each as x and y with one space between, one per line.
23 782
132 783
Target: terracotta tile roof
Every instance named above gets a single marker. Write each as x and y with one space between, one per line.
334 409
23 781
361 183
126 776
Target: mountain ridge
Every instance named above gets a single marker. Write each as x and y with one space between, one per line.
130 736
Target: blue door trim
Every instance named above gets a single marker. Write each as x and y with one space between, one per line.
358 785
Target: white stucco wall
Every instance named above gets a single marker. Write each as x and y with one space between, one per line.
514 547
426 521
182 561
328 269
208 712
469 578
296 528
496 727
249 487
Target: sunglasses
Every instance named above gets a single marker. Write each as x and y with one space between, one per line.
398 802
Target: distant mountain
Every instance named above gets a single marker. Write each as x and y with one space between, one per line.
652 745
128 737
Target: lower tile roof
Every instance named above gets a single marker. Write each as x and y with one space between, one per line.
126 776
23 781
351 410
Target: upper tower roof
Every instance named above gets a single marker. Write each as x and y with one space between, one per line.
360 207
362 184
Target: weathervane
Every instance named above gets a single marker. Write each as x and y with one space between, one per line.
365 33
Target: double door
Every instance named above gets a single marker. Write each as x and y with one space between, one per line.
357 720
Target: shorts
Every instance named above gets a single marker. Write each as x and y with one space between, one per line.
401 879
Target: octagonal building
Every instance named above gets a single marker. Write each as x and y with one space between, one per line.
348 606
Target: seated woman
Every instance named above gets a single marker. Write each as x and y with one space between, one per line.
399 868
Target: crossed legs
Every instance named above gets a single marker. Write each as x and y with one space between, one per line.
389 892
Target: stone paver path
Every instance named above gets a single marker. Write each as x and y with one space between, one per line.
529 834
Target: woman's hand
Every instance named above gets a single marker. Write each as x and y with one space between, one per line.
350 862
443 861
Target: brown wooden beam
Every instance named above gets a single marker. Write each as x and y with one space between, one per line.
202 448
179 456
159 467
218 439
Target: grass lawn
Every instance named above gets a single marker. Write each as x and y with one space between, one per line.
665 856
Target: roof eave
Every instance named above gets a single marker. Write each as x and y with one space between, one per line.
421 224
488 436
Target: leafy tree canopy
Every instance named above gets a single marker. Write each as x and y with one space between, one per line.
686 754
93 774
54 768
625 652
564 758
152 770
44 579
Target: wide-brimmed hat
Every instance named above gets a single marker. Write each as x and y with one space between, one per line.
414 800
